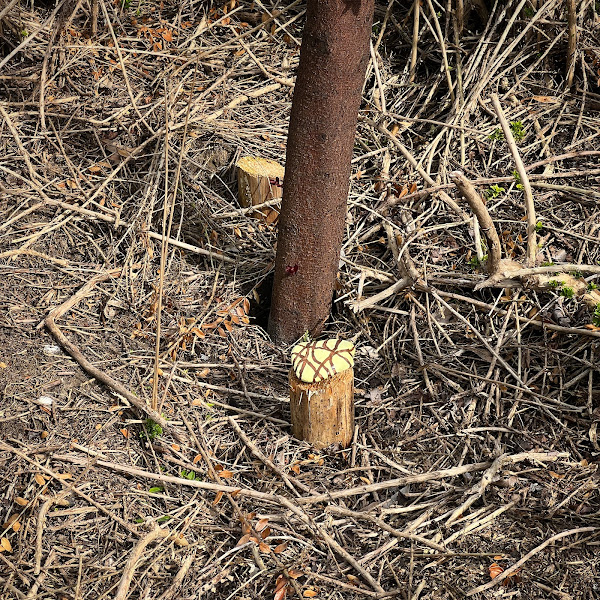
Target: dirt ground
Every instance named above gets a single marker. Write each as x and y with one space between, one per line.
474 467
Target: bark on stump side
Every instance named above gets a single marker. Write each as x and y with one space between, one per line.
260 180
323 412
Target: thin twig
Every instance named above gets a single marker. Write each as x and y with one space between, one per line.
532 248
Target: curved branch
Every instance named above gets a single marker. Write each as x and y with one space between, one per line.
475 201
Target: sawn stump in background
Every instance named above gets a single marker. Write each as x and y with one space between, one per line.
260 180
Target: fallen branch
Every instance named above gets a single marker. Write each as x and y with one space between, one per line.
84 363
391 483
475 201
128 572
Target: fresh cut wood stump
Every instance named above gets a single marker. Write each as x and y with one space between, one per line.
322 392
260 180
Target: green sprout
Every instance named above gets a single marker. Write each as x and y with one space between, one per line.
596 316
591 286
577 274
151 431
494 191
528 12
125 4
475 263
555 284
547 264
539 226
567 292
518 130
517 177
156 490
496 135
189 474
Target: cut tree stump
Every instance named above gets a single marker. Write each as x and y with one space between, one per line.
322 392
323 412
260 180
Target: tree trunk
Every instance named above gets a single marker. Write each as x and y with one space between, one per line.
327 95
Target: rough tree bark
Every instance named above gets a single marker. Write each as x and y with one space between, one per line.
333 60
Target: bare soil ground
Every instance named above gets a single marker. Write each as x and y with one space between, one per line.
476 445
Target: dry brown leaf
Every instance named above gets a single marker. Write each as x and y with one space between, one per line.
280 548
226 474
21 501
264 548
495 570
217 498
243 540
265 533
197 458
295 573
280 593
281 582
310 593
262 523
10 521
5 544
544 99
180 540
39 479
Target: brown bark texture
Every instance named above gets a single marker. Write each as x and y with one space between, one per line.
323 413
333 60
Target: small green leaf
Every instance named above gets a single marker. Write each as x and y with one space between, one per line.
155 490
596 316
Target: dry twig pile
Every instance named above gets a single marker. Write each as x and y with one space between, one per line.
171 472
